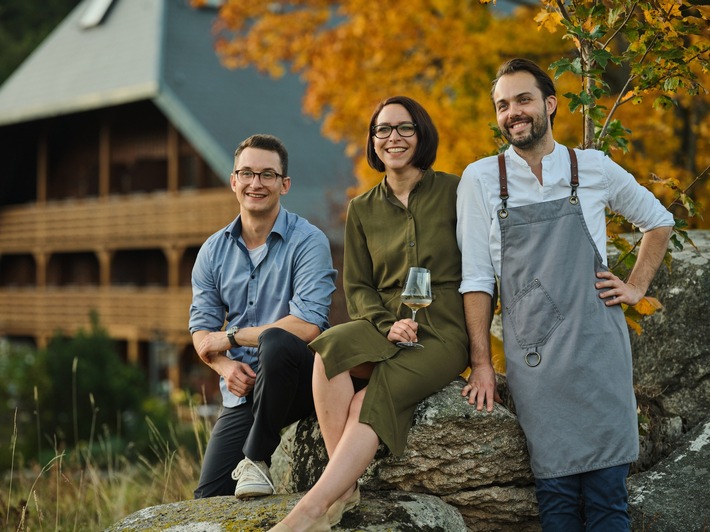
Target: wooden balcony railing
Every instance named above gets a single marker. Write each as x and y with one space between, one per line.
153 220
139 314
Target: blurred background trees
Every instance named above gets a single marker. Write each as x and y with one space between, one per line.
78 394
635 74
23 25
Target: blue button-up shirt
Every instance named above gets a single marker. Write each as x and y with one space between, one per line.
295 276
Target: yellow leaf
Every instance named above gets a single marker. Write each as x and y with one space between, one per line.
550 20
498 355
636 326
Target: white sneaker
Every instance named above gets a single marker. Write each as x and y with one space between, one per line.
253 479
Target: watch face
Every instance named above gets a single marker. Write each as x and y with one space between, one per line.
230 334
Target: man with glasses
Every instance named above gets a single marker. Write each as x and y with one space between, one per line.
269 277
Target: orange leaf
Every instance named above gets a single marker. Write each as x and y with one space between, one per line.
647 306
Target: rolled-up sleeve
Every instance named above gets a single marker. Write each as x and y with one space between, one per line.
636 203
313 281
473 227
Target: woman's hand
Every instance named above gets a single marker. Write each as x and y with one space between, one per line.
403 331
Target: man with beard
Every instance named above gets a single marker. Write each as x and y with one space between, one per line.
534 217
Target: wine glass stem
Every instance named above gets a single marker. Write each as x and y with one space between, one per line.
414 314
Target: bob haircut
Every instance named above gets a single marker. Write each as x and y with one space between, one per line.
268 143
427 136
542 79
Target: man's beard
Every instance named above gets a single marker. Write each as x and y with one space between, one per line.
538 131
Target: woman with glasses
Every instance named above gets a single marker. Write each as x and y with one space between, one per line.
365 386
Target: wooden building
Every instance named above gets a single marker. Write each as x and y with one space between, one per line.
116 140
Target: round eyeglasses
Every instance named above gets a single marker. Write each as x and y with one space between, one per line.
247 176
405 129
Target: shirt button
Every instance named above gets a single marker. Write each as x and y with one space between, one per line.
251 302
411 244
253 276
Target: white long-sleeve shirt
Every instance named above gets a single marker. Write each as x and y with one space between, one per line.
602 184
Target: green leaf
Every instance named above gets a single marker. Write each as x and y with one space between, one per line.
561 66
601 57
671 84
574 101
663 102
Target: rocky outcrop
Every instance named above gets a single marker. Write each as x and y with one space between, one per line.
476 461
378 512
674 496
672 355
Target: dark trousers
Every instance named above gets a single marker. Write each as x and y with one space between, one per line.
282 395
595 501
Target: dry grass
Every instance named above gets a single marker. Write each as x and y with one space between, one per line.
72 492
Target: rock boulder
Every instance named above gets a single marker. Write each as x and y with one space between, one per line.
378 512
674 496
476 461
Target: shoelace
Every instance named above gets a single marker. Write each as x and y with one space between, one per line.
240 469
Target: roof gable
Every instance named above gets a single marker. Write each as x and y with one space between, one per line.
77 69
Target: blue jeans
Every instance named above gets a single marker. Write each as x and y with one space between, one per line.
591 501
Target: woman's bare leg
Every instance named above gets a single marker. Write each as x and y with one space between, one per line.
352 455
332 401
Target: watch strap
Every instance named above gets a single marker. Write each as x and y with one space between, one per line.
230 336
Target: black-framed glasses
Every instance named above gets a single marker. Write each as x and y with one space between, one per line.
247 176
405 129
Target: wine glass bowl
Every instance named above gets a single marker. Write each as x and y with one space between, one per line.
416 295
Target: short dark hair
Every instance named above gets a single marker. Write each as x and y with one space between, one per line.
427 136
542 79
265 142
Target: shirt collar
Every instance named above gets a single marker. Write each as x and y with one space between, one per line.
425 182
514 157
280 227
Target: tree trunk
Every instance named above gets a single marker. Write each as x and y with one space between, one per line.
585 49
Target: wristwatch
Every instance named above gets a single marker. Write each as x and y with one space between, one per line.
231 332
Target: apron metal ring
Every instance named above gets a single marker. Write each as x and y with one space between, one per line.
574 200
533 359
503 213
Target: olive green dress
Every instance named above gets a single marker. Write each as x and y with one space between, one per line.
382 240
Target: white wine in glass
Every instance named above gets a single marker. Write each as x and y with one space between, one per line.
416 295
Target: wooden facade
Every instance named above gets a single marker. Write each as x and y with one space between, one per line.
105 211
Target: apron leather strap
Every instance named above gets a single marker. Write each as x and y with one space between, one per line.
502 177
573 199
573 167
503 180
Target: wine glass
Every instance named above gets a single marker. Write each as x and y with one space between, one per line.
416 295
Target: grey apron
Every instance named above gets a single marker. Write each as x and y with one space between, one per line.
568 355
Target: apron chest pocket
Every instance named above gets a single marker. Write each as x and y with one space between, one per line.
533 314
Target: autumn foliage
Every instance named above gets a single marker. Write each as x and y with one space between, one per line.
353 53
